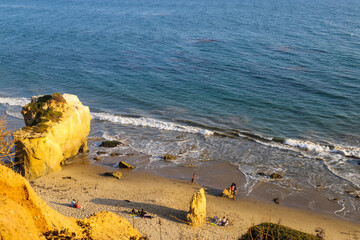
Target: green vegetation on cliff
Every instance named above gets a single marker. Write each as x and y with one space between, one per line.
42 110
276 231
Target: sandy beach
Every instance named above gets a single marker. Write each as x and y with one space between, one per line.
168 201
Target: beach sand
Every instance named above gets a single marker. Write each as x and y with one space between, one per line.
168 201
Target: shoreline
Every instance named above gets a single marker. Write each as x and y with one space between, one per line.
168 201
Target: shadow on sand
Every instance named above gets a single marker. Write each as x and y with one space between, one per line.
171 214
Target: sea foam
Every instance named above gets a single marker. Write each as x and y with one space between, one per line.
311 146
14 101
149 122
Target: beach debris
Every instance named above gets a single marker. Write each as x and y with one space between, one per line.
125 165
276 176
197 213
98 159
100 152
117 174
68 177
127 200
261 174
276 200
110 144
169 157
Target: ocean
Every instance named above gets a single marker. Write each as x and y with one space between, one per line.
268 86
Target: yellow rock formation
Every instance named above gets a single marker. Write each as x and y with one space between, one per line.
57 128
197 214
23 215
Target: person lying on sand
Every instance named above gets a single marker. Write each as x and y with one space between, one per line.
140 213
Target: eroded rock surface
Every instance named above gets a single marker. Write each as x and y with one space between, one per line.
57 127
24 215
197 213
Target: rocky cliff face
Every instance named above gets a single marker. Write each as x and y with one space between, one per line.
197 213
23 215
57 127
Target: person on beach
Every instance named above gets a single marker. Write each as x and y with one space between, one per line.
223 221
233 190
193 178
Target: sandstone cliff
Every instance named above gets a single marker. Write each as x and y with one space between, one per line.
197 214
23 215
57 127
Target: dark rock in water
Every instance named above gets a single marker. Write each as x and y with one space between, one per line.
117 174
114 154
100 153
275 176
110 144
168 157
125 165
97 159
261 173
276 200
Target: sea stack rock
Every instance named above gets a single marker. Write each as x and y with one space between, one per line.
56 128
197 214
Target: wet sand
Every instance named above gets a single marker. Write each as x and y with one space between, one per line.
168 201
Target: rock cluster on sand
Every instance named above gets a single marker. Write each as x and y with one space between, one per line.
57 127
197 213
23 215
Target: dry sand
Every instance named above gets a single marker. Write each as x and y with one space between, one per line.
168 201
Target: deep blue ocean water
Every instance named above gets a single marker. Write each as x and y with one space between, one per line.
251 82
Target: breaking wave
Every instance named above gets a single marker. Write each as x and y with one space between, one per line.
149 122
14 101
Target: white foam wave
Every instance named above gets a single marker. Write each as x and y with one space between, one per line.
307 145
14 101
149 122
311 146
14 114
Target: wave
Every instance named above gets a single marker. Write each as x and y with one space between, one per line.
14 101
353 152
14 114
288 143
149 122
346 151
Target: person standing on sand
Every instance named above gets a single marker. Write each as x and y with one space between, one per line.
193 178
233 190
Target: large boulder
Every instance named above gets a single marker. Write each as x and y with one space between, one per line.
24 215
197 213
56 128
